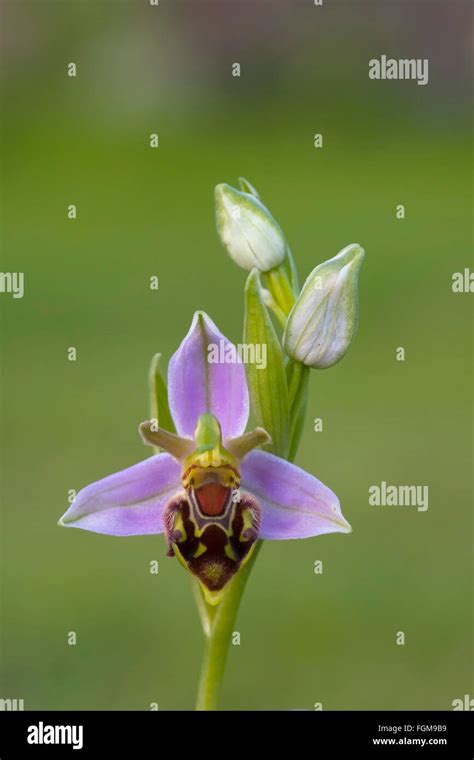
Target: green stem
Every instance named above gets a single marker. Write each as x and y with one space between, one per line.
280 289
219 637
294 376
278 312
297 375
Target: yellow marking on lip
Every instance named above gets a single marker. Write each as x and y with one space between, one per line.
248 523
179 525
199 551
198 532
231 553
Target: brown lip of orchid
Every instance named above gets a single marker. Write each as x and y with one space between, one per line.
212 525
211 490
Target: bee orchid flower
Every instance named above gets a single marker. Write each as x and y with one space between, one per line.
211 490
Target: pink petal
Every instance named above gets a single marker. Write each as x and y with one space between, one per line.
196 385
129 502
294 503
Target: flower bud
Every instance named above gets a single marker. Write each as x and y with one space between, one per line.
247 229
323 320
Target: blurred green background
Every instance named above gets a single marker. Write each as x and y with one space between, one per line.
305 638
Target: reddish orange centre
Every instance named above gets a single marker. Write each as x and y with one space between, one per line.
212 498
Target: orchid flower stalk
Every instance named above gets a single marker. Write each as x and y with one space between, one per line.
213 487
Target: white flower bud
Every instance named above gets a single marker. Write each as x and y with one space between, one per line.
247 229
323 320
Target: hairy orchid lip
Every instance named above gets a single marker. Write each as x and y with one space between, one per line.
212 534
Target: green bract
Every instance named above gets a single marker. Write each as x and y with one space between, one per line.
160 410
267 386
